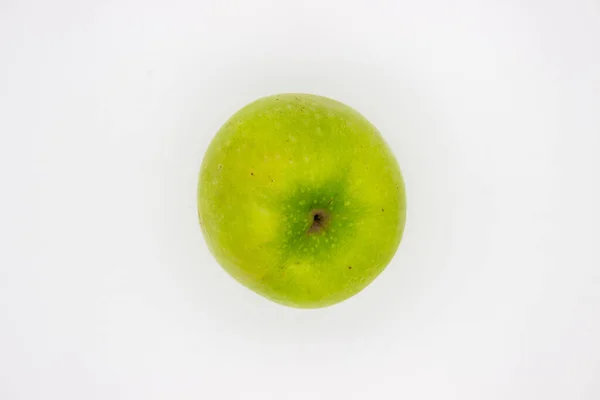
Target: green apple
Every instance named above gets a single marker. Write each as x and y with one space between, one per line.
301 200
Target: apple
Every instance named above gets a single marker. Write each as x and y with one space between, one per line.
301 200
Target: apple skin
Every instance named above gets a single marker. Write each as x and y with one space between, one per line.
301 200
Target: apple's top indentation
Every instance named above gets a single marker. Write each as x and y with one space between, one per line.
320 219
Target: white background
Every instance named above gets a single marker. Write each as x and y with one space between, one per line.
108 291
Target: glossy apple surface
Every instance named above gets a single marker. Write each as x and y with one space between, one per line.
301 200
